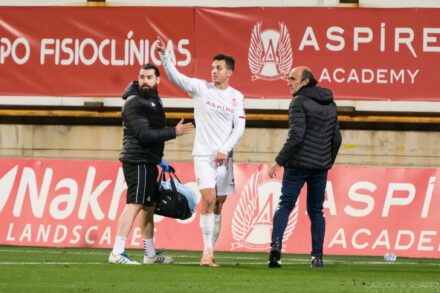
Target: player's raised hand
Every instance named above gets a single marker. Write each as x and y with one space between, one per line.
183 128
160 45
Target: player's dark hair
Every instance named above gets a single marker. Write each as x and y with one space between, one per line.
308 74
229 60
152 66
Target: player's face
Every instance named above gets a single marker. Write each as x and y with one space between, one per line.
294 81
219 72
148 80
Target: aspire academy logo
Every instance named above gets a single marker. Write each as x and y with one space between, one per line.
270 53
252 220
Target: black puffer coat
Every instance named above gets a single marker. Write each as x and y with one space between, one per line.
144 133
314 137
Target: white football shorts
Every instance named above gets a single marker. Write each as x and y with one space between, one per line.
209 176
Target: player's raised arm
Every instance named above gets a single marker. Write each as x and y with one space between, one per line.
187 84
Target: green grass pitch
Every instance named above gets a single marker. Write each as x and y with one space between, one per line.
36 269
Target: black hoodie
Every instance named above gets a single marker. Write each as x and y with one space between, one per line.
144 132
314 137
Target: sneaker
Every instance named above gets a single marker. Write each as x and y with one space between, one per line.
316 262
275 257
121 259
158 259
208 259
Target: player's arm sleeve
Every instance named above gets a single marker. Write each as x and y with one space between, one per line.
187 84
297 130
137 122
237 130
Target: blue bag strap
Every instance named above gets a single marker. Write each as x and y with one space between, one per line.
171 174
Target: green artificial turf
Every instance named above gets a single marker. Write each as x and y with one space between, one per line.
35 269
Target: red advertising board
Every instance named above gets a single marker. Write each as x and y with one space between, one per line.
361 54
88 51
357 53
369 211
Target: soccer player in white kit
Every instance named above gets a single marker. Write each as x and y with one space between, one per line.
220 122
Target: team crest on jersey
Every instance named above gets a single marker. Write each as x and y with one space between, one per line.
270 53
252 221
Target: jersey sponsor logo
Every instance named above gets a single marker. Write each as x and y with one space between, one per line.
252 220
218 107
270 53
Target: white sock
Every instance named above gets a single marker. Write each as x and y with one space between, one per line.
149 247
119 246
217 225
207 225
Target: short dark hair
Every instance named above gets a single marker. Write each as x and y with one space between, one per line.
308 74
229 60
152 66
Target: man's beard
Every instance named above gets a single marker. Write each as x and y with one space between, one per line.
148 90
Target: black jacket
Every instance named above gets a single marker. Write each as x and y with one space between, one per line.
314 137
144 133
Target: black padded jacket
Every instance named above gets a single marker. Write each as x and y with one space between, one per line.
314 137
144 131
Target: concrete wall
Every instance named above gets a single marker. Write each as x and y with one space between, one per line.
365 148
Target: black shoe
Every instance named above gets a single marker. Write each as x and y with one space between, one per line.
317 262
275 257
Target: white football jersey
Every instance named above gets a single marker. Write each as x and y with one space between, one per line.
219 114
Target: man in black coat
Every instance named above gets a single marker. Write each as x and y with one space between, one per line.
309 152
144 136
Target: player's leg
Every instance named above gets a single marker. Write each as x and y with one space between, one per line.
126 220
293 181
146 225
125 224
133 205
217 217
207 223
225 185
206 174
315 204
146 221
